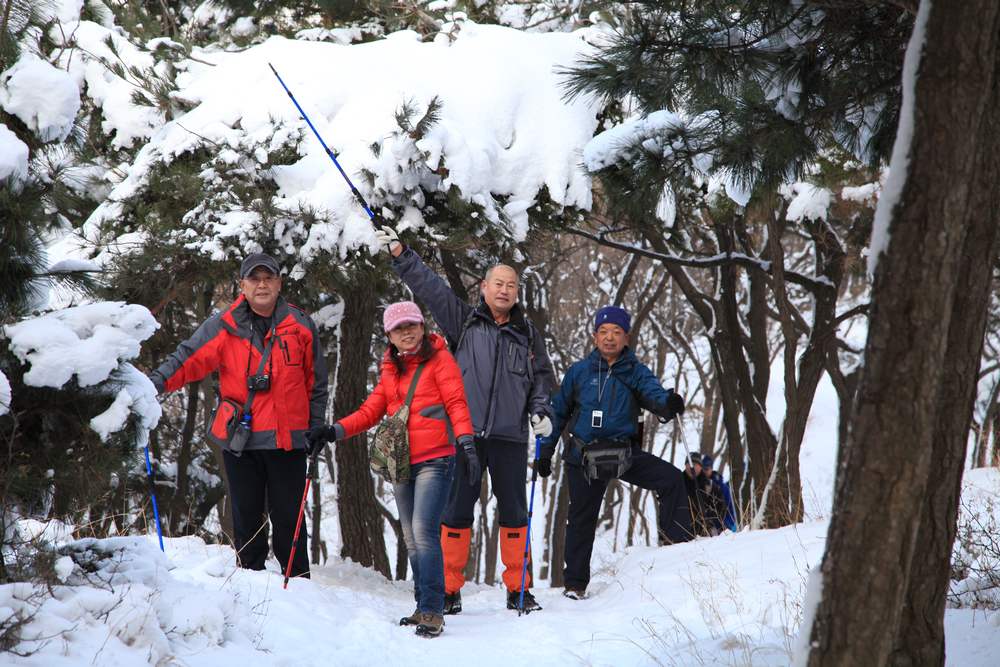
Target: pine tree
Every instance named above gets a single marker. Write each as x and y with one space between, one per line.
743 100
54 464
765 87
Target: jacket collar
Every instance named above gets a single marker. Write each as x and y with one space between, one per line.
625 363
518 319
411 360
237 317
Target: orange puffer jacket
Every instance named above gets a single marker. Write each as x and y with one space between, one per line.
438 414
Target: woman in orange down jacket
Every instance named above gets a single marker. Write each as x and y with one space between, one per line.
439 419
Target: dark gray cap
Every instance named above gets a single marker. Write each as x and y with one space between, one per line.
259 259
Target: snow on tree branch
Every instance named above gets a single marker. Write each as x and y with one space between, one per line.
503 135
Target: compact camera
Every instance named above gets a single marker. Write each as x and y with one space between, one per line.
259 382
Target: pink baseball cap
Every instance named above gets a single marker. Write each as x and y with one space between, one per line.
404 312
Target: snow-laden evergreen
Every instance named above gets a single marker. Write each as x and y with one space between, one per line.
90 345
13 156
504 134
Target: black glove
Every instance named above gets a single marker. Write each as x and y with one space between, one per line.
544 466
472 468
675 404
318 436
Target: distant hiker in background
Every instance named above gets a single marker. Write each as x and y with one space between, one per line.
507 377
600 401
696 499
718 486
708 506
272 386
418 372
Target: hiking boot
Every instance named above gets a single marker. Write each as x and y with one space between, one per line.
453 603
412 619
575 593
431 625
530 603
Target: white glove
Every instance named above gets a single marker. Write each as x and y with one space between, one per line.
542 425
387 237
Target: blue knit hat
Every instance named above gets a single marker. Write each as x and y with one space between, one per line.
706 461
613 315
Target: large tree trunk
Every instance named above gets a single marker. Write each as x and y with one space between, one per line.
360 519
898 482
921 637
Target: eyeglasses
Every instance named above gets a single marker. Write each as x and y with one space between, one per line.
261 278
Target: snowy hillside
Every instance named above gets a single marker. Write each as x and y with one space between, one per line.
731 600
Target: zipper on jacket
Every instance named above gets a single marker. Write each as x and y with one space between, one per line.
487 426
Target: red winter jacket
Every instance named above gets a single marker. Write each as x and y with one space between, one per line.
296 400
438 414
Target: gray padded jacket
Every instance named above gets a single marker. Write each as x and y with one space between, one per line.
505 368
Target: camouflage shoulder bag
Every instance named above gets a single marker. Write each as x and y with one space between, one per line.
389 453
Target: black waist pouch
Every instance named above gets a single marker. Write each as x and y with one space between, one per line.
605 459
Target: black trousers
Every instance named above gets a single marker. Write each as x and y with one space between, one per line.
508 465
272 482
647 472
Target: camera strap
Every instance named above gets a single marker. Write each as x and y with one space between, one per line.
260 369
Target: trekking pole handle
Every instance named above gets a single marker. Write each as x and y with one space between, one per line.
538 455
357 193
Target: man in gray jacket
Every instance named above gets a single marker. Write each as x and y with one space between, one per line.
507 377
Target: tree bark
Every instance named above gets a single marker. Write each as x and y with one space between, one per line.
885 572
177 521
761 442
800 388
995 456
979 456
492 548
360 520
557 553
315 536
402 553
921 639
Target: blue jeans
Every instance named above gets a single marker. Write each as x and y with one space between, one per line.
421 503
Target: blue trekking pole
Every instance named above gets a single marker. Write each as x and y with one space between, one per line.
152 494
333 156
531 507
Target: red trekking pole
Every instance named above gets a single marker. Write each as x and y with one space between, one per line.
310 473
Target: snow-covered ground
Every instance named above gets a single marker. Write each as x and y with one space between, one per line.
730 600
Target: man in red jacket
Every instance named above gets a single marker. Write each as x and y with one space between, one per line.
264 342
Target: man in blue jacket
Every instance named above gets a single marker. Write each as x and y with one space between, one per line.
600 400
